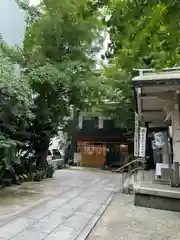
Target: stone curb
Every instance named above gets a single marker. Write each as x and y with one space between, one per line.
88 228
94 220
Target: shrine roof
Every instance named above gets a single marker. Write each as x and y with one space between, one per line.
157 78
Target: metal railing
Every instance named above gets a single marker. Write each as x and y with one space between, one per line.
134 170
138 160
134 173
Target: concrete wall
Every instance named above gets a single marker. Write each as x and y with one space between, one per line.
157 202
12 22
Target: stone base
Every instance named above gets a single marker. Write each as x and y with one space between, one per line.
92 165
157 196
57 162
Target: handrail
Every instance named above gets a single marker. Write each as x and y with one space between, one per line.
129 174
133 170
129 163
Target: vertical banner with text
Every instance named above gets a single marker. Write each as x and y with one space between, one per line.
142 142
136 136
80 122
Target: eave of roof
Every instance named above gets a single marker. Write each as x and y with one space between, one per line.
163 78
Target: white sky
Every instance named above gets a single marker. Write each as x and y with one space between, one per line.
34 2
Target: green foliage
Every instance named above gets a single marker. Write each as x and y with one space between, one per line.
60 46
33 12
143 34
57 68
15 95
14 55
117 97
8 151
62 40
59 49
15 104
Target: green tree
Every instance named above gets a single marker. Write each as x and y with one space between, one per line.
15 110
143 34
59 50
16 97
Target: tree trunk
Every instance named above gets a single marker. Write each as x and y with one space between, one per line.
42 152
42 159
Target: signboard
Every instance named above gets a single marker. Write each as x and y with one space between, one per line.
142 141
91 149
136 136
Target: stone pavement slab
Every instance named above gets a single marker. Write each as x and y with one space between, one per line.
29 235
12 228
75 203
124 221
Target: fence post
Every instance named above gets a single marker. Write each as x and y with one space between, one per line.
176 173
123 182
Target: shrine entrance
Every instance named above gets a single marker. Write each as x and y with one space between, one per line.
116 154
98 154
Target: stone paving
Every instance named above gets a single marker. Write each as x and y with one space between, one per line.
64 208
123 221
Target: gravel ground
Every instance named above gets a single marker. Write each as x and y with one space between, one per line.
123 221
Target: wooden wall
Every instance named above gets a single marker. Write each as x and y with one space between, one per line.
92 155
92 160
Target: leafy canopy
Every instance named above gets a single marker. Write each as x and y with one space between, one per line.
16 94
143 34
65 38
60 45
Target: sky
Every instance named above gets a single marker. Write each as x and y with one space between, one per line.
34 2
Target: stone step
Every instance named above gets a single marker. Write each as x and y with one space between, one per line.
161 181
157 196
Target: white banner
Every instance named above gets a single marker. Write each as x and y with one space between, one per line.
100 122
142 141
80 122
136 136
